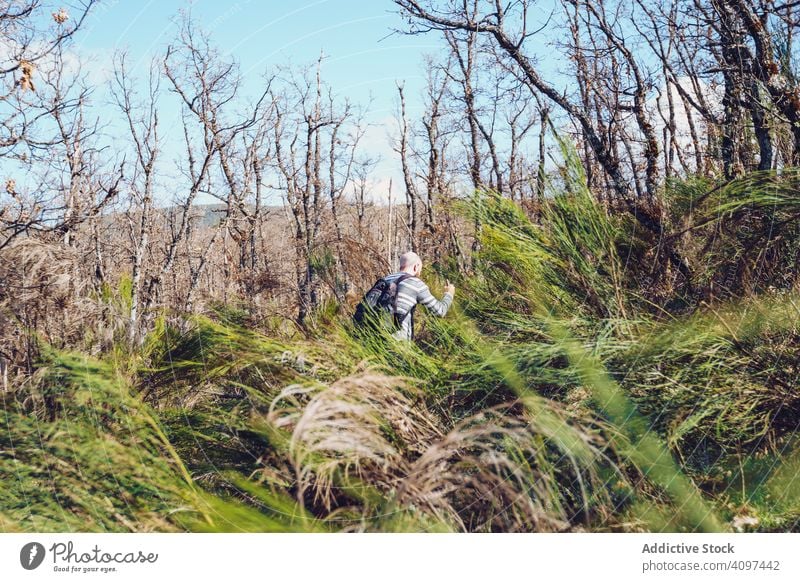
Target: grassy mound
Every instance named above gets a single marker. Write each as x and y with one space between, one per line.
556 396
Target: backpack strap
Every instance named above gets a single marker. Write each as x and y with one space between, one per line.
400 279
399 321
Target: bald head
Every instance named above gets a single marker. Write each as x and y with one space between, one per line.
410 263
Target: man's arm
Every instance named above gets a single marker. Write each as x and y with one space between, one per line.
432 304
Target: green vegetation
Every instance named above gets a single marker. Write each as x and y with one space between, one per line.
559 395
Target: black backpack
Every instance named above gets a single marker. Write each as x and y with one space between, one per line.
381 300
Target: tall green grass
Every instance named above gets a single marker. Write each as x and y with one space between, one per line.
555 396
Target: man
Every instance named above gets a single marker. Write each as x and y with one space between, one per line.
413 290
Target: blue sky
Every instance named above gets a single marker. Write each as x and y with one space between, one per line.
364 58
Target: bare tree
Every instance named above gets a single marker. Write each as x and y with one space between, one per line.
316 141
142 122
411 194
595 16
506 26
511 42
207 86
31 50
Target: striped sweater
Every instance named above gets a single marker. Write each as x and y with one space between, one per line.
412 291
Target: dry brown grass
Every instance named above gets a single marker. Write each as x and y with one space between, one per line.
45 288
361 428
495 471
